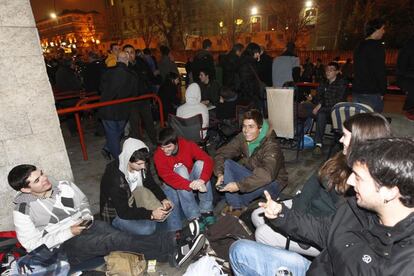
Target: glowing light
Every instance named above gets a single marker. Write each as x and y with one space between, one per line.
308 4
239 21
221 24
53 15
97 41
254 11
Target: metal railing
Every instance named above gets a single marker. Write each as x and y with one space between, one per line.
83 105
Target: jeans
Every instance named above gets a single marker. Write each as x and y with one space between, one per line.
135 227
184 201
322 119
255 259
113 133
101 239
373 100
234 172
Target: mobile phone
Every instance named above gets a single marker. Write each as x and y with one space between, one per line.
220 187
86 223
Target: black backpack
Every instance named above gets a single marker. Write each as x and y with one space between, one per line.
224 232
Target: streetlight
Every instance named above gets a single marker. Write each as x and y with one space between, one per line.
53 15
308 4
254 11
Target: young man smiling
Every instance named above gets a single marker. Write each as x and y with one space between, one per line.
371 234
261 165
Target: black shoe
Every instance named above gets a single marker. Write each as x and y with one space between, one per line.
106 154
187 250
191 231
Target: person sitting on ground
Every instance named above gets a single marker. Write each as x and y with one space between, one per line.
326 190
168 94
369 235
261 167
128 178
56 214
193 106
330 93
185 169
210 88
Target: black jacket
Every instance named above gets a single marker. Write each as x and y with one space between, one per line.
249 80
117 83
115 193
230 65
353 241
405 66
203 60
369 68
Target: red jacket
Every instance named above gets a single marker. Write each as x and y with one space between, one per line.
188 153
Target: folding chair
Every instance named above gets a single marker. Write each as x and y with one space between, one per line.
189 128
340 113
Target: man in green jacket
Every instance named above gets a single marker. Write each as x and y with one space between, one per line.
261 164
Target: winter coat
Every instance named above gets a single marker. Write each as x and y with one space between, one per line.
193 106
266 162
249 80
166 65
405 66
369 68
353 241
203 60
117 83
116 191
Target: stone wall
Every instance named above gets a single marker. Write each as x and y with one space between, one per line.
29 126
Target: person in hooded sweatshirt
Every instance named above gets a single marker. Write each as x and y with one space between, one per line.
193 106
260 166
121 178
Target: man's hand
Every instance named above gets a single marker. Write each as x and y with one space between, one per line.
199 185
159 213
76 229
231 187
167 205
272 208
316 109
220 179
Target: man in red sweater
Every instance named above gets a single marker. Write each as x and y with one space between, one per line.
185 169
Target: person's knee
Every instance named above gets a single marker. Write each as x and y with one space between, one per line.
238 249
257 217
182 171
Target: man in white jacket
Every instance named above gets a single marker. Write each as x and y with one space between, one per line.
57 214
193 106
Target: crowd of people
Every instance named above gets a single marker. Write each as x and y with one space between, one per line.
354 216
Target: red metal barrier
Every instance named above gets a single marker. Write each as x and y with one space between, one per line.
82 105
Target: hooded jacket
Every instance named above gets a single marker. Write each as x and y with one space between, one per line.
265 160
353 241
47 221
193 106
117 184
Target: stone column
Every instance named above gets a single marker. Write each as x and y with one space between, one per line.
29 126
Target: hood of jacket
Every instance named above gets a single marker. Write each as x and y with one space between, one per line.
131 145
193 94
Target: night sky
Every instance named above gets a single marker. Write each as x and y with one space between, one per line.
42 8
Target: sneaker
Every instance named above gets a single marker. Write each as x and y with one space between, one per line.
187 250
191 231
317 150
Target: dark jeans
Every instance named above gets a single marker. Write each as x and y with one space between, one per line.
101 239
373 100
322 118
234 172
113 133
141 112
